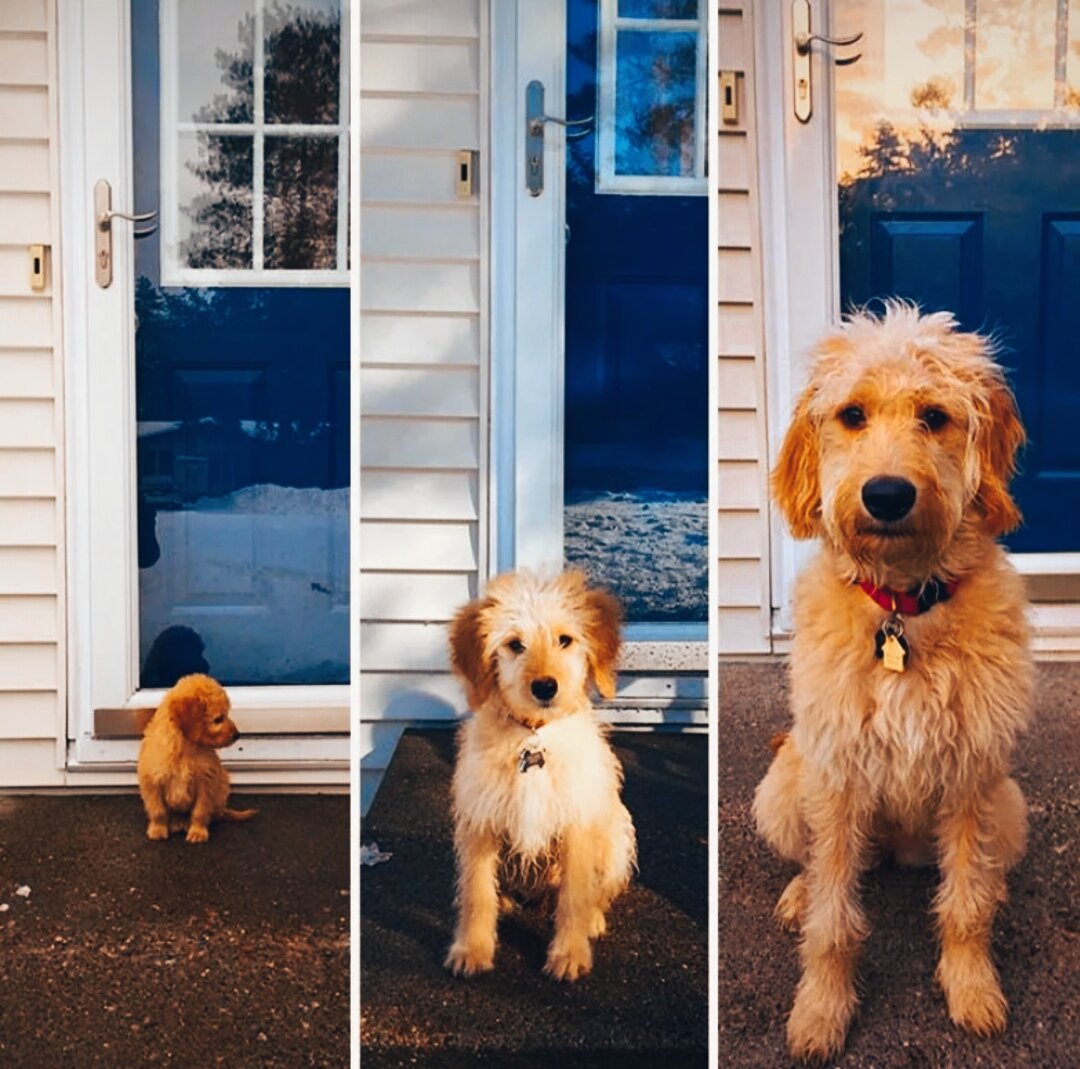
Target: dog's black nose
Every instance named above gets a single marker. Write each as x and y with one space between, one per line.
888 497
544 689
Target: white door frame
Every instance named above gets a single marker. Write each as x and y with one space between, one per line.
799 229
95 127
528 271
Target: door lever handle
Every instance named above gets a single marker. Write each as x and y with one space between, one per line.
104 214
802 40
535 119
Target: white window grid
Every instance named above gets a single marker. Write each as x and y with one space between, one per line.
607 181
174 272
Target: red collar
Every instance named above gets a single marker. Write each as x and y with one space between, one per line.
913 602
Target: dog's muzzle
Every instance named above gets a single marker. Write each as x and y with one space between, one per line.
888 497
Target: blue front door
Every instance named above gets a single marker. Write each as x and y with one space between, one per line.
636 374
959 187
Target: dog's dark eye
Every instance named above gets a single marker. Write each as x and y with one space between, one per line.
565 640
852 417
933 419
219 719
516 645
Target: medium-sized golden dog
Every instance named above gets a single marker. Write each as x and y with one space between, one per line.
910 668
536 786
181 779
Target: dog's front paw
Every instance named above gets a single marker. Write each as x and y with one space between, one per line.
974 995
818 1023
597 924
198 833
157 829
568 959
468 960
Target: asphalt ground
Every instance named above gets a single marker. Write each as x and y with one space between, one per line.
126 953
902 1020
645 1004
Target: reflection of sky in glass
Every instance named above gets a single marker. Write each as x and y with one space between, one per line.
658 9
655 82
204 27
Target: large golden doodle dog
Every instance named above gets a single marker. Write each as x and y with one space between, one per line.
182 782
536 786
910 669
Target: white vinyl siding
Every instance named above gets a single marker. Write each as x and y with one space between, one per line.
423 357
32 607
743 529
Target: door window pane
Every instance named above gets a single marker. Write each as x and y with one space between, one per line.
303 62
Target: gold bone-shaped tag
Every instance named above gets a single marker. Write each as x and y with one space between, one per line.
893 654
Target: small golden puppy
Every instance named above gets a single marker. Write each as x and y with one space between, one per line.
536 786
181 779
910 669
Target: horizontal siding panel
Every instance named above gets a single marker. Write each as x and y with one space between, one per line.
29 619
426 392
732 42
419 443
421 547
27 715
27 472
27 521
24 60
418 495
24 166
419 122
742 631
419 233
734 162
739 535
430 178
735 275
400 339
24 220
737 385
737 436
420 66
27 322
739 584
735 227
403 647
30 763
28 666
740 485
447 18
27 570
27 373
26 423
23 16
409 696
413 598
419 287
737 325
24 111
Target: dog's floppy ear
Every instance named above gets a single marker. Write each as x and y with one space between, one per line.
467 653
188 713
603 617
796 479
999 439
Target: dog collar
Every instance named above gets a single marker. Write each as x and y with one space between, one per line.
913 602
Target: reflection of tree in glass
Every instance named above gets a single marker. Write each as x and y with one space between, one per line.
656 107
300 85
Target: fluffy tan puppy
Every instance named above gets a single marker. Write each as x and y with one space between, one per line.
181 779
898 459
536 785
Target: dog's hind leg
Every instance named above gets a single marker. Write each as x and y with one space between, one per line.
792 904
157 812
778 804
473 949
977 837
616 857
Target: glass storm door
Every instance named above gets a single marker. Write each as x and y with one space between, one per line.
636 304
210 378
957 156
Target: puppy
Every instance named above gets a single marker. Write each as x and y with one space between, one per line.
536 786
910 669
181 780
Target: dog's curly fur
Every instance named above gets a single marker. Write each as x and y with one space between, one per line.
916 762
526 652
182 782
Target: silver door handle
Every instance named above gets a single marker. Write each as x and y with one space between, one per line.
803 41
104 214
535 119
